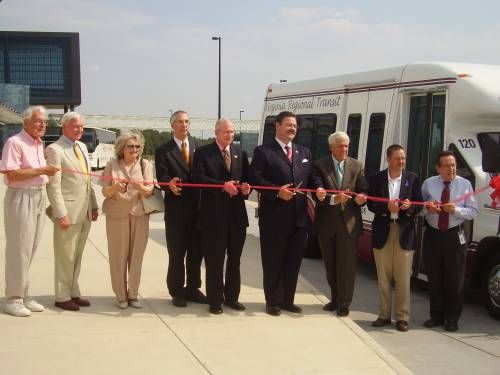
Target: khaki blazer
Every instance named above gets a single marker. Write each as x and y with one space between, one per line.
121 205
69 193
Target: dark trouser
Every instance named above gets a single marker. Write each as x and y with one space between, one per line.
215 243
444 259
183 242
340 256
281 254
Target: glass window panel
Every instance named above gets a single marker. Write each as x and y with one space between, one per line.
353 131
375 143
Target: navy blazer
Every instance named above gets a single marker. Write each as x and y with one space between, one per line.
170 163
270 167
217 208
410 189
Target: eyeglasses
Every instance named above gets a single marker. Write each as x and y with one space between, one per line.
131 147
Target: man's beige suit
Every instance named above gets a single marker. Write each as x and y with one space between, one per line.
69 194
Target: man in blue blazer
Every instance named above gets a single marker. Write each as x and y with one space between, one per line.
393 235
282 213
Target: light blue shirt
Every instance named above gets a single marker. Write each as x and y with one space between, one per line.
432 189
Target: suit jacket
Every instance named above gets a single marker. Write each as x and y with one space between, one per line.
270 167
169 163
410 189
69 194
217 208
121 205
354 179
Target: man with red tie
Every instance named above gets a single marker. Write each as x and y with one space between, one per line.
445 245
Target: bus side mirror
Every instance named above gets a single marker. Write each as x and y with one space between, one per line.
490 148
96 142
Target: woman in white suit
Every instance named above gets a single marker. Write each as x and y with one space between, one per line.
127 225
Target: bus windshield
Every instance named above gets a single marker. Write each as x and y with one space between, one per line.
89 139
490 147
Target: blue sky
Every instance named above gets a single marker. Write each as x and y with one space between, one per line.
147 57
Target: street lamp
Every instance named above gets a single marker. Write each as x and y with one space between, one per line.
218 38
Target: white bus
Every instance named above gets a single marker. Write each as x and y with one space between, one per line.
426 107
100 144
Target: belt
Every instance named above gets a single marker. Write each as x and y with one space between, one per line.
393 220
456 228
32 187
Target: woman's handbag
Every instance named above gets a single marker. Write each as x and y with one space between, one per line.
154 203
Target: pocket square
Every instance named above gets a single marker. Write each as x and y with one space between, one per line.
235 156
304 160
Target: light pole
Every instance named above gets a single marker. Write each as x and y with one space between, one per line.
218 38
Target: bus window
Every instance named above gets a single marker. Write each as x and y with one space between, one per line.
353 131
269 129
463 170
375 142
327 124
305 134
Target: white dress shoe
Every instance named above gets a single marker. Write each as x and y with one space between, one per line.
134 303
33 305
122 305
16 309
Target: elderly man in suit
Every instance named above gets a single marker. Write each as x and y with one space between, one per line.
338 218
72 207
223 217
173 161
282 212
393 235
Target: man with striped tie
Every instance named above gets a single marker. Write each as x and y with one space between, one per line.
72 207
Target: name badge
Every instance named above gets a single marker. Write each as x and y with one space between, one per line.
461 237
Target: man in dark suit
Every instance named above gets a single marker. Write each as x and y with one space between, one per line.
338 218
173 164
223 217
393 235
282 213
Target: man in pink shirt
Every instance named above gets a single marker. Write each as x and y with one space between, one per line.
26 174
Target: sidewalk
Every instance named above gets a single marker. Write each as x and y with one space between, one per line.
163 339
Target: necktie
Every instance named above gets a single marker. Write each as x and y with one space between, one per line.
185 152
340 173
444 217
81 159
227 159
288 150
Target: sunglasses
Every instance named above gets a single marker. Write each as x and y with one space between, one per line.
131 147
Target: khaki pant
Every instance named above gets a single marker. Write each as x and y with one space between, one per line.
127 240
68 250
394 266
24 217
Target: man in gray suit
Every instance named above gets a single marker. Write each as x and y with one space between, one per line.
338 218
72 206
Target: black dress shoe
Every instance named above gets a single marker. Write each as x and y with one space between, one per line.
432 322
273 310
402 325
179 301
217 310
80 301
381 322
292 308
235 305
451 327
330 306
342 311
197 296
67 305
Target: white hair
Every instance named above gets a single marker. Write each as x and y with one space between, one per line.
68 116
174 115
28 112
337 136
223 120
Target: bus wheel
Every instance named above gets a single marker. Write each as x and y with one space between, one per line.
491 285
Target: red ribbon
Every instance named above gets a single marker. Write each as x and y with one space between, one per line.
494 183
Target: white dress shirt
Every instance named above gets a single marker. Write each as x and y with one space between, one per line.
394 185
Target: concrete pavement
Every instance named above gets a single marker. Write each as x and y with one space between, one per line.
163 339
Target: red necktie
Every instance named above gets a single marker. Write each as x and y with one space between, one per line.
444 217
288 150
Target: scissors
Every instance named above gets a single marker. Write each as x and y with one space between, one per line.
298 186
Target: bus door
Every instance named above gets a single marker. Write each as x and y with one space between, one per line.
424 142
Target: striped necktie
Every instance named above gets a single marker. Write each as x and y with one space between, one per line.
340 173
